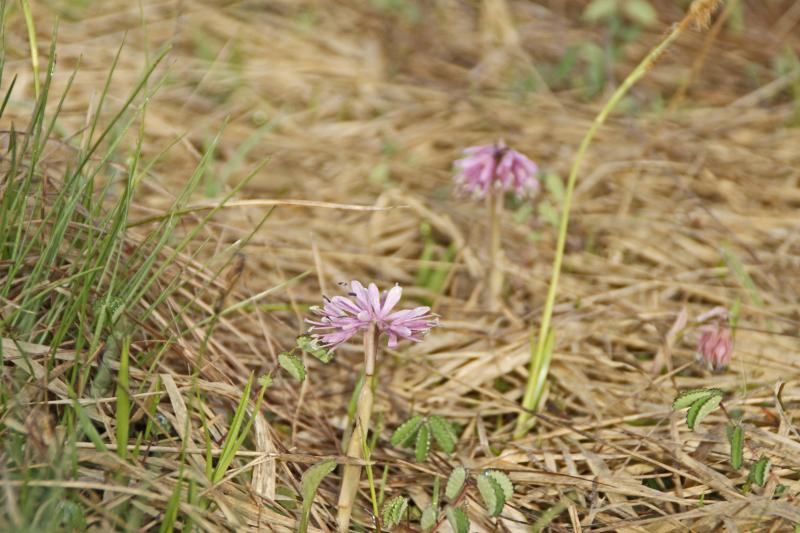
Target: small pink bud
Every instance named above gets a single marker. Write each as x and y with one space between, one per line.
715 347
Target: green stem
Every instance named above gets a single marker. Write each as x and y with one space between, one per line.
372 493
529 400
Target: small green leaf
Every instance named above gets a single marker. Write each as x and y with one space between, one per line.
393 511
308 488
502 479
737 447
443 432
309 344
293 365
599 10
687 398
455 482
640 12
407 430
492 494
423 443
458 520
265 380
701 408
428 519
760 471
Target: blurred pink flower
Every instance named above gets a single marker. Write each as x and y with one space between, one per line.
495 166
341 318
715 346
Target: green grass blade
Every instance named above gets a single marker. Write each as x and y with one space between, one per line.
26 10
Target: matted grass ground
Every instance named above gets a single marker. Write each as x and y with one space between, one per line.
685 201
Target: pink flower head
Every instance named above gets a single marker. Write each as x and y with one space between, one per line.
715 346
341 318
495 166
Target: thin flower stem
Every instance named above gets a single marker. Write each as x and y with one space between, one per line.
372 493
529 400
351 474
495 206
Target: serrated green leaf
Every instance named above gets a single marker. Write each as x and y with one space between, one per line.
687 398
443 432
701 408
407 430
737 447
308 488
293 365
393 511
428 518
599 10
502 479
455 482
423 443
760 471
311 345
640 12
458 520
492 494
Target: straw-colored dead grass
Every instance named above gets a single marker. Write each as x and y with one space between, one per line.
368 107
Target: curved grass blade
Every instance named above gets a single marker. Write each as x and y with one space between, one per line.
308 488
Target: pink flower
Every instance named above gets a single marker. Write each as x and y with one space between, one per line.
495 166
341 318
715 346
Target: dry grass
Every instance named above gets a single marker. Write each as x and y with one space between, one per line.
368 107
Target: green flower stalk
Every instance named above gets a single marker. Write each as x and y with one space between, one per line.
700 14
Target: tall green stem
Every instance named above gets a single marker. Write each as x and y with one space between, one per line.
351 474
538 356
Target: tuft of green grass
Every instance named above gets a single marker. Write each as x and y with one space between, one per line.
92 305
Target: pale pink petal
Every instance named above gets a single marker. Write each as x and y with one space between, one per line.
392 297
